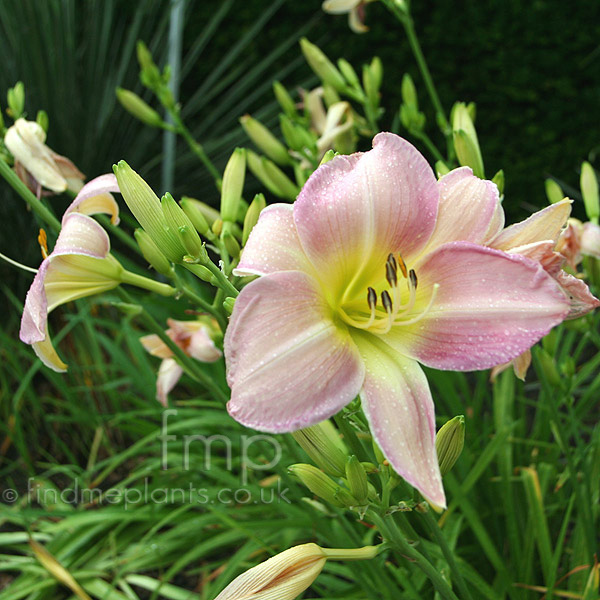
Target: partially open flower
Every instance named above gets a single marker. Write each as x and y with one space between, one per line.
355 10
37 164
194 338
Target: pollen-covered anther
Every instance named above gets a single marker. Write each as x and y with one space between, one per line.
43 242
402 266
386 301
413 278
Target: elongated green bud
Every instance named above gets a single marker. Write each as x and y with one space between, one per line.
231 244
465 139
265 140
409 92
289 189
449 443
251 219
228 304
321 443
152 254
15 98
379 456
549 369
233 184
177 221
291 133
357 479
329 155
134 105
498 179
323 68
322 485
441 168
285 100
589 190
554 192
195 215
149 74
146 208
42 120
348 72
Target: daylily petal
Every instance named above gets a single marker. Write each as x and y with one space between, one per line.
35 311
581 299
169 373
273 244
202 348
355 210
47 354
520 366
542 252
155 346
469 209
95 197
590 240
398 404
545 224
339 6
81 234
490 307
355 20
288 365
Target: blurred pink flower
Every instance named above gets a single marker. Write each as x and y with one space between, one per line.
377 267
194 338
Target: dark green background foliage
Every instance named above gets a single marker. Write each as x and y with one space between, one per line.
531 67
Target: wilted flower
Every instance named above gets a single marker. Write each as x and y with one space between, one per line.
194 338
376 267
355 10
25 140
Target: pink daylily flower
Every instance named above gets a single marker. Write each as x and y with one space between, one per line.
80 265
194 338
378 267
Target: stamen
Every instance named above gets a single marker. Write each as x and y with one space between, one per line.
413 278
390 274
371 298
386 301
43 242
402 266
392 261
427 309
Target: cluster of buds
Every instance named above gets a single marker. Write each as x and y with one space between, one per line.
323 120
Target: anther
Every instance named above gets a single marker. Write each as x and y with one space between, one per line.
402 266
43 242
392 261
371 298
413 278
386 301
390 274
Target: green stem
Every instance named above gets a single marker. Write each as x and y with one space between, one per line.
222 280
195 146
204 305
420 135
147 284
350 437
440 538
40 209
187 363
396 540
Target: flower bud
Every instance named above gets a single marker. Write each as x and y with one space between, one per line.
322 485
252 214
449 443
152 254
322 66
292 133
498 179
329 155
370 84
548 366
228 304
233 185
149 73
589 190
554 192
409 92
322 444
177 221
357 480
134 105
195 215
465 139
146 208
441 168
281 181
265 140
285 100
15 98
217 227
590 240
231 244
42 120
348 72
